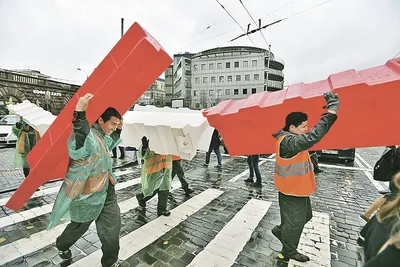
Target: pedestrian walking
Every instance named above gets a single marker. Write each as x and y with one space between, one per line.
88 191
252 162
214 146
156 177
294 176
27 138
178 170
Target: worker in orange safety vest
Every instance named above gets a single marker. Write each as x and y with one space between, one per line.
294 175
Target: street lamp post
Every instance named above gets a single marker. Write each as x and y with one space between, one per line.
87 75
47 98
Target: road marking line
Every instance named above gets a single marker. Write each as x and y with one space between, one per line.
364 161
150 232
41 210
229 242
54 189
315 242
240 175
26 246
377 185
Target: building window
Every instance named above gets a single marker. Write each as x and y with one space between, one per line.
221 79
204 79
245 91
213 79
247 77
253 90
195 93
227 91
203 66
197 105
237 64
235 91
197 80
256 77
229 78
211 92
195 67
227 65
211 66
219 66
245 63
254 63
219 93
238 78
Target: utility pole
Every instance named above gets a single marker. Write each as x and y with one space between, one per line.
269 58
122 27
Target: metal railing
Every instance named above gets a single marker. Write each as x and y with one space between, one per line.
275 72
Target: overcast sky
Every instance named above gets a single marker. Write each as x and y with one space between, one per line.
57 36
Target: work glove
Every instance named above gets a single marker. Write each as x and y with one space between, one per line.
145 142
332 101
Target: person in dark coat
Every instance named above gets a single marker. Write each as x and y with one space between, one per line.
214 146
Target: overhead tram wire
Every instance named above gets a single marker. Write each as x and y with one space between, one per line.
396 55
280 20
208 27
259 24
235 21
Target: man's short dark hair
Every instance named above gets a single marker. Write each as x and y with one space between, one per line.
295 119
110 112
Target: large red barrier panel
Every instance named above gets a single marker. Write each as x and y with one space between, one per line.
368 115
119 80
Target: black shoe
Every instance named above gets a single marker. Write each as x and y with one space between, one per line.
360 241
218 166
277 233
297 257
65 255
114 157
256 184
141 202
188 191
135 163
205 165
249 180
122 157
165 213
318 170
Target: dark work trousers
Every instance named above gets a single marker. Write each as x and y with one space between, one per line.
295 213
217 152
177 170
121 150
162 199
108 227
26 171
252 161
314 159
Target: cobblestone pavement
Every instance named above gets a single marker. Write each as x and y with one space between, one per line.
224 223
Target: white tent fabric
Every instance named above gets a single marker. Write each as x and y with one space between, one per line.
170 131
178 132
35 116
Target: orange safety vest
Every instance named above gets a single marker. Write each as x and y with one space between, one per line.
21 141
294 176
174 158
156 163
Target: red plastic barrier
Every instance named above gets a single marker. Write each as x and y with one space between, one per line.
368 115
119 80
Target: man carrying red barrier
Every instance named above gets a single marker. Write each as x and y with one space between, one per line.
88 192
294 176
178 170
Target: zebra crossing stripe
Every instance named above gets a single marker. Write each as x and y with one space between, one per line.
54 189
41 210
314 242
229 242
45 238
150 232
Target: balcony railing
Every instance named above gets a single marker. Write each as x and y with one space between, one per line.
275 72
274 84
